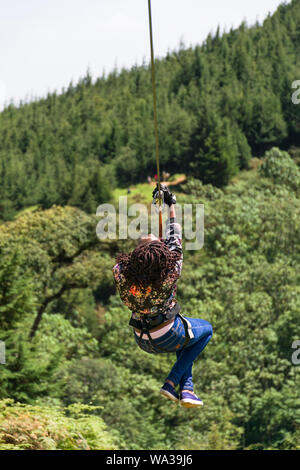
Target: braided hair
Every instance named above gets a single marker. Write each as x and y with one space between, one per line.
149 264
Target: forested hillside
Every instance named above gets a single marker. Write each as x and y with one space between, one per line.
71 356
219 103
74 377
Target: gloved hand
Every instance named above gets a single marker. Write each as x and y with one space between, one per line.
169 198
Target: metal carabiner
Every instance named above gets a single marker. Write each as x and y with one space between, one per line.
156 202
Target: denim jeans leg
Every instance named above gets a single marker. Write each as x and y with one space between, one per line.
186 381
181 371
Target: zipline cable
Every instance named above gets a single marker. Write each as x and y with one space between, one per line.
155 117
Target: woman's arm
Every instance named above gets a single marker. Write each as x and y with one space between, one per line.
172 211
174 237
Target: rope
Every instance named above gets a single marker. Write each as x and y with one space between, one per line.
155 117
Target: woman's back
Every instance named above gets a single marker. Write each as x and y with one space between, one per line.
151 297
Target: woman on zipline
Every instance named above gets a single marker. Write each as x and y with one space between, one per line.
146 280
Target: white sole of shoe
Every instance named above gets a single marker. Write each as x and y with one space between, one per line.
187 403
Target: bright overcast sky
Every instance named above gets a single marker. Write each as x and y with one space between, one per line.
44 44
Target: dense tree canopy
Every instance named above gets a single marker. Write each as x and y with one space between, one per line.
74 377
218 103
245 281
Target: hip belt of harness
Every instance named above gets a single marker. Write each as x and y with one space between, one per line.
145 324
156 319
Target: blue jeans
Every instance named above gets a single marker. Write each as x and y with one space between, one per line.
173 341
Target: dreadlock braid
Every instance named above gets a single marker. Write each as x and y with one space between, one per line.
149 263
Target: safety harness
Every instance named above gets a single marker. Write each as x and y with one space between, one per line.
147 322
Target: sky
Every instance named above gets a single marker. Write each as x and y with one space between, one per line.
46 44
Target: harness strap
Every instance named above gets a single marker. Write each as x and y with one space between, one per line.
187 329
158 348
155 347
155 319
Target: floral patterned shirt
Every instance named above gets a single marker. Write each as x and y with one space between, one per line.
148 300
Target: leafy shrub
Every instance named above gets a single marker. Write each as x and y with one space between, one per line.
279 166
202 191
25 427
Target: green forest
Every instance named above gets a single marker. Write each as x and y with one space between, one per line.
74 377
